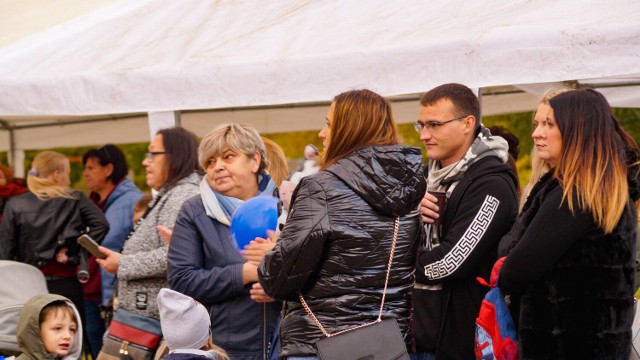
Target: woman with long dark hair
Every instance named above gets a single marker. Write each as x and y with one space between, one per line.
172 169
573 261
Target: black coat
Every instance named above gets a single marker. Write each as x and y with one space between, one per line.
336 242
576 283
33 230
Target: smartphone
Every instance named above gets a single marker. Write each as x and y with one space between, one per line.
91 245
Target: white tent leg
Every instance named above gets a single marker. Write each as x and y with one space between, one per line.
161 120
16 161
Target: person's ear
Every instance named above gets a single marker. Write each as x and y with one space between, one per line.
109 169
255 162
469 124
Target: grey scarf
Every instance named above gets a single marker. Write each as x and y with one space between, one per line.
447 178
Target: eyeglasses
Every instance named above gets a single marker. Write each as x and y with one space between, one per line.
433 125
151 154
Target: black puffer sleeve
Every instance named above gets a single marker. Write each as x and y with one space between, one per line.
286 268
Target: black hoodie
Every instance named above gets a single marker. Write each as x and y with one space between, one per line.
336 242
480 210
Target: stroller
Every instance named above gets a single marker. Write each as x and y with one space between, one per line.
18 283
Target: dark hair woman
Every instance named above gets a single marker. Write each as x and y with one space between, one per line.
105 171
572 258
335 246
172 170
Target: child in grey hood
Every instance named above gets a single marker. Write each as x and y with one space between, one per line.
49 328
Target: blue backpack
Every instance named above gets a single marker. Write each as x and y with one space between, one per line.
496 335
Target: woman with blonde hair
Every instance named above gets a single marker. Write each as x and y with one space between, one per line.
41 227
573 260
335 248
278 167
539 166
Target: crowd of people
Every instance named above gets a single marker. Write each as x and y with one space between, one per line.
366 230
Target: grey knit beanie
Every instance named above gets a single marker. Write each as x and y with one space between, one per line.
185 322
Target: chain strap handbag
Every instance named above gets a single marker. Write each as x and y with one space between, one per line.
379 339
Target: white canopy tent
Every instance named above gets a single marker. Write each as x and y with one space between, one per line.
93 77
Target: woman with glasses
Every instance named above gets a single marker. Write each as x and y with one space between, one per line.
105 171
204 260
573 260
172 170
335 247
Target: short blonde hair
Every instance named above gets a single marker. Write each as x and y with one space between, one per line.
240 138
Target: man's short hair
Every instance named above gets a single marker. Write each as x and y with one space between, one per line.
464 101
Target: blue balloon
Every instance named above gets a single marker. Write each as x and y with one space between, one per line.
253 218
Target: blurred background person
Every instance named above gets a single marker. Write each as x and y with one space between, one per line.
573 259
278 168
513 142
41 227
105 171
141 207
204 259
336 244
9 187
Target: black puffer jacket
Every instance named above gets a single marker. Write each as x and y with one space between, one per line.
336 243
33 230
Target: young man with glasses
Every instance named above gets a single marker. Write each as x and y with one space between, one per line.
469 165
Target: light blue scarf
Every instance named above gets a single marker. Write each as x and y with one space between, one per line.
221 207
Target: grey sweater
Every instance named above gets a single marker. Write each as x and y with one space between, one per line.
142 271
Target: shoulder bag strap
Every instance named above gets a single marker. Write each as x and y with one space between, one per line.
384 293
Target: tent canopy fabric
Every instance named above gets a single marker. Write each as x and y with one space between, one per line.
256 59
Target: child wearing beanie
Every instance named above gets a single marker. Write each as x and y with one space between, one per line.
186 328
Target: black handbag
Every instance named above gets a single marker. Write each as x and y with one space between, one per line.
377 340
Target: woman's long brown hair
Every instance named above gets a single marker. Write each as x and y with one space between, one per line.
592 167
361 118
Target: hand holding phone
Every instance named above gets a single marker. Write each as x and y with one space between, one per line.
91 245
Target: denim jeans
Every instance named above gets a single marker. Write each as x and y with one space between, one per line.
423 356
94 326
